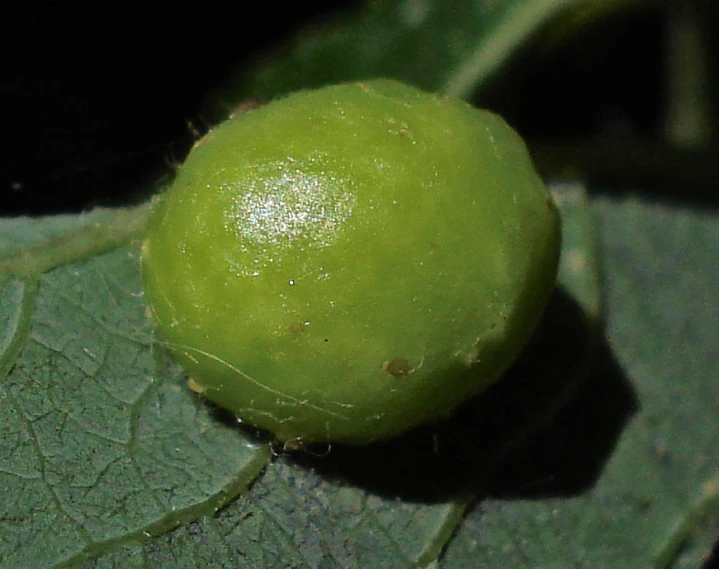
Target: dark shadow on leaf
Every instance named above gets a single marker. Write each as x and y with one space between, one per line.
567 455
463 454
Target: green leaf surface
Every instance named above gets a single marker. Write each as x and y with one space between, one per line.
105 448
100 441
648 507
105 451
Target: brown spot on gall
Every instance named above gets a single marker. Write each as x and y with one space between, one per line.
297 327
398 367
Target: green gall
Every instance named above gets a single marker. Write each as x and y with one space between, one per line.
346 263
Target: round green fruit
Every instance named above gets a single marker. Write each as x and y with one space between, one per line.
346 263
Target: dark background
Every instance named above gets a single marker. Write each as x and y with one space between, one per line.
96 98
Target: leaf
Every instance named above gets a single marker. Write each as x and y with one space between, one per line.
105 448
662 476
625 475
452 47
100 441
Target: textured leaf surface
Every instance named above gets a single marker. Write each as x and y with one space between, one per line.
100 441
662 271
103 447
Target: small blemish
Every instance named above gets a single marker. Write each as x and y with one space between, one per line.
298 327
292 445
194 386
244 107
473 358
398 367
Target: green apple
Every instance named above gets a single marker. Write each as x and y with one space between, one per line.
346 263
